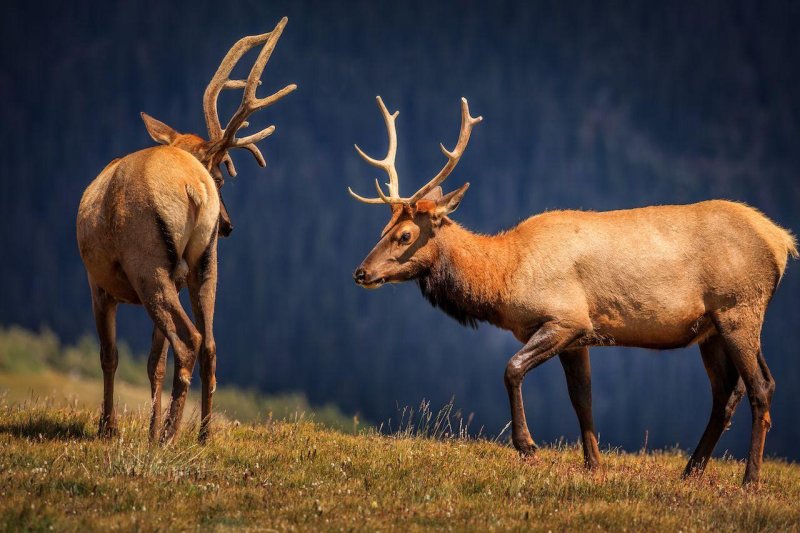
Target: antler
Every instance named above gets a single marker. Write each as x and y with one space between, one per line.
224 139
467 122
387 163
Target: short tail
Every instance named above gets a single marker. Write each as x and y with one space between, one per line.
781 240
792 246
789 248
791 243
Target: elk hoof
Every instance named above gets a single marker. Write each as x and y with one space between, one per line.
166 439
751 477
107 428
591 465
527 450
168 433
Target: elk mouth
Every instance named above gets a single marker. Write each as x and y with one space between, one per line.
373 284
361 277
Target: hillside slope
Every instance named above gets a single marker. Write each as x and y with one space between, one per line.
54 473
36 366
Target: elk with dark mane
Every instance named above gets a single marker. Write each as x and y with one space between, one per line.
148 224
656 277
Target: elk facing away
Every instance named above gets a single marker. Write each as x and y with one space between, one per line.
656 277
148 224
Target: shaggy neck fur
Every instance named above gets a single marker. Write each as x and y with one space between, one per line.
468 277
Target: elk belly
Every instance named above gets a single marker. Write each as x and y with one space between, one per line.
658 325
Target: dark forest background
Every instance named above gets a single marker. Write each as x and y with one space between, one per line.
586 104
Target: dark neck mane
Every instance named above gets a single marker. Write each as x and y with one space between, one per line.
462 291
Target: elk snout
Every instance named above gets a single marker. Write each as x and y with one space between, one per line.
360 275
225 224
368 280
225 228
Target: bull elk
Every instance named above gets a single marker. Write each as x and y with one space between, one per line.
149 223
656 277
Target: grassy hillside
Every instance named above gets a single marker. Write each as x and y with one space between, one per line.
54 473
37 366
278 463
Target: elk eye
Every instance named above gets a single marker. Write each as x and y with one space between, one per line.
405 237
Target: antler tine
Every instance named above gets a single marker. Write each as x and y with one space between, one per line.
226 138
387 163
365 200
229 165
467 122
221 82
251 103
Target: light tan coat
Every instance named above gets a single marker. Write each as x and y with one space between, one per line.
148 225
655 277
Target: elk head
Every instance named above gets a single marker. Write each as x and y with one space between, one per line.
212 153
407 247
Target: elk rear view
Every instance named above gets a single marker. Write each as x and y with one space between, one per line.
148 224
656 277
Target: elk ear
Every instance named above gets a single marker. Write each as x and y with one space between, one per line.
434 194
449 203
160 132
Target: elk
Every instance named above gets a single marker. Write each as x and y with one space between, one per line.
149 224
656 277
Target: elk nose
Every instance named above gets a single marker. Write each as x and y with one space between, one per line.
360 275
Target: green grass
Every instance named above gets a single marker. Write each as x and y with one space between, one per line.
282 475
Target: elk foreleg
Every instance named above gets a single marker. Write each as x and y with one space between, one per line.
550 339
105 316
202 281
578 372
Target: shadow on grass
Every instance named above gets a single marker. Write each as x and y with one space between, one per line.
46 427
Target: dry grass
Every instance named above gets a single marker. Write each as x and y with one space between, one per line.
57 390
54 473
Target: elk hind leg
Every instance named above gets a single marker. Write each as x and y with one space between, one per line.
578 372
157 362
156 368
160 298
105 316
742 344
202 281
726 390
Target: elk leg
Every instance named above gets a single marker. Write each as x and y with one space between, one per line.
549 339
156 364
160 297
726 391
202 293
578 372
762 363
105 316
156 369
743 347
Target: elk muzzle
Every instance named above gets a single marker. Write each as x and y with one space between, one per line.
225 224
367 280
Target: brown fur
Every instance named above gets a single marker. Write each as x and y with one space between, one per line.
148 226
146 223
655 277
